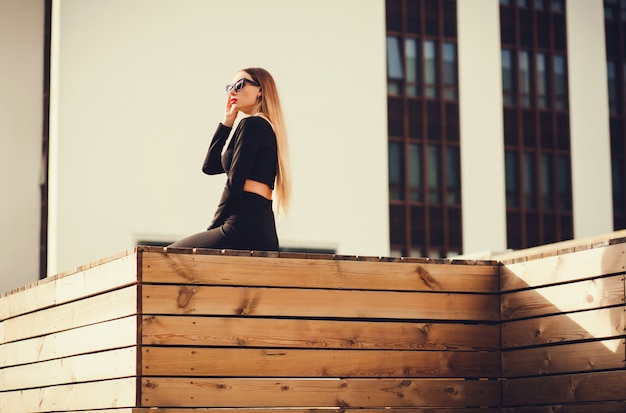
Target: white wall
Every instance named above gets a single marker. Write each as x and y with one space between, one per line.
481 125
21 100
139 89
589 119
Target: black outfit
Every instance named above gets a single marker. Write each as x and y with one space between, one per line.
243 220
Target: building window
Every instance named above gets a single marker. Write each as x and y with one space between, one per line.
615 36
536 122
423 124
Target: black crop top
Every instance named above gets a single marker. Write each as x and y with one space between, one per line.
251 154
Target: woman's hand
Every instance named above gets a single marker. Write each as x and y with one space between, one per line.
230 112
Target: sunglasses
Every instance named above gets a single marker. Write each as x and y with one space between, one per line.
238 85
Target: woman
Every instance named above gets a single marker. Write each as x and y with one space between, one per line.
255 163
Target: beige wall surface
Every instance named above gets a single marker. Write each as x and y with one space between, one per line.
481 126
21 103
138 89
589 118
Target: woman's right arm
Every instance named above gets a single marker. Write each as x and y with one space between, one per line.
213 161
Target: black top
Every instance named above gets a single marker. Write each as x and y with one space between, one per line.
251 154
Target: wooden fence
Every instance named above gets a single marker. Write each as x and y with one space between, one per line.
209 331
563 329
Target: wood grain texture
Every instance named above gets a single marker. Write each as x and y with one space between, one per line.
584 325
304 410
568 358
97 395
317 273
92 310
101 366
563 298
599 407
244 301
574 388
566 267
57 290
194 392
92 338
228 362
320 334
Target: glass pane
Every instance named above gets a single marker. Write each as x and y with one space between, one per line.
430 67
510 162
530 190
564 182
449 64
557 5
434 174
546 180
559 82
612 80
507 77
542 84
524 74
394 59
396 183
453 175
410 48
397 225
415 172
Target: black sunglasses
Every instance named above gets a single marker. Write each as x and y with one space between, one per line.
238 85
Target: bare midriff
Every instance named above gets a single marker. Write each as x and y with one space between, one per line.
258 188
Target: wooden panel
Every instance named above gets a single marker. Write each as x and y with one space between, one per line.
96 395
317 273
104 307
303 410
582 295
90 367
166 299
103 336
569 358
610 407
58 290
604 323
227 362
577 388
259 332
194 392
567 267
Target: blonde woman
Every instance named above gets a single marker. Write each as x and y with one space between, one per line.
256 165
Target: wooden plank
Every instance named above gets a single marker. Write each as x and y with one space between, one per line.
325 334
562 247
90 367
355 393
317 273
302 410
53 291
97 309
562 268
569 358
574 388
197 300
240 362
582 295
592 324
97 337
609 407
83 396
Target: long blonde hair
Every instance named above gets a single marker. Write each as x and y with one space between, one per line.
269 106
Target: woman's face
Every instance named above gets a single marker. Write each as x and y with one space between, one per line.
244 93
